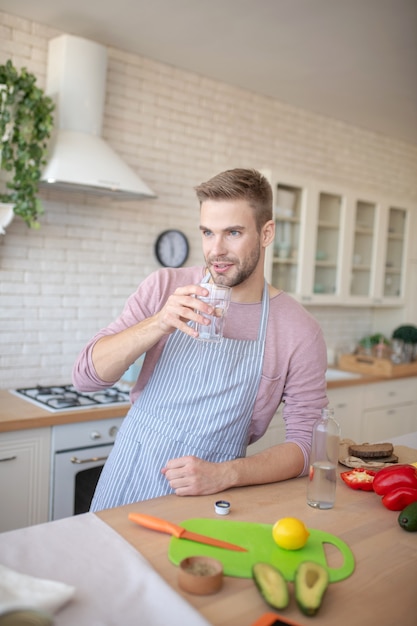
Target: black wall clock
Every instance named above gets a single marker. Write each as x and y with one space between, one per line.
172 248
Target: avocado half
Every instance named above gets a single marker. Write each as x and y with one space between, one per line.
310 583
271 585
407 519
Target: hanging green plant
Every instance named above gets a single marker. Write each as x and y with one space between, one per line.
26 124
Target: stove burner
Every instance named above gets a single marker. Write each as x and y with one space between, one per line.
110 392
42 391
110 395
64 401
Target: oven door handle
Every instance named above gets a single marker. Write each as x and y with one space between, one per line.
93 459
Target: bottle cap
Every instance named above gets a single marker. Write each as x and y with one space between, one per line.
222 507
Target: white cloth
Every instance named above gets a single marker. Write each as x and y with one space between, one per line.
114 583
19 591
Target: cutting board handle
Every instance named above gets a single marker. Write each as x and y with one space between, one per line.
348 558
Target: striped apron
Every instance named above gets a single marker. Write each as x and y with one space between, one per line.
198 401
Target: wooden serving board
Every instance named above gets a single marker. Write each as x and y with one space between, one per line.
257 538
367 364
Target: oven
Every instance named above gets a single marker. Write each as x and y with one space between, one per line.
79 452
79 449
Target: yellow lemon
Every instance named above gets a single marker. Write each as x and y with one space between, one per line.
290 533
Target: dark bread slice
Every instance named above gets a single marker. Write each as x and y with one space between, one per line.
371 450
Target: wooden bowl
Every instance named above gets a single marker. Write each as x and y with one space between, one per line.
200 575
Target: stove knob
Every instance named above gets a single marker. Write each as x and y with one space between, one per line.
95 434
113 431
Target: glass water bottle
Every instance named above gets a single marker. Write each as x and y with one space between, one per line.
321 489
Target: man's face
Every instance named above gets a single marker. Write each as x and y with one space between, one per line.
231 243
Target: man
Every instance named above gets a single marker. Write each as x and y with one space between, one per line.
197 405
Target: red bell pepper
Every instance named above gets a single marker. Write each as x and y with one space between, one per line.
359 478
393 477
398 499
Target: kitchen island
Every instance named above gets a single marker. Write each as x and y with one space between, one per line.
381 589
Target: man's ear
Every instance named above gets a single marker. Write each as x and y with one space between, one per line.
268 233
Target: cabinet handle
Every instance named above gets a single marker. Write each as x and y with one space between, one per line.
341 405
8 458
113 431
93 459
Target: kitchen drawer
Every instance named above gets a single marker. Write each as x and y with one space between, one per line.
347 405
390 393
382 424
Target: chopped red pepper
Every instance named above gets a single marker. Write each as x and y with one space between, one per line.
359 478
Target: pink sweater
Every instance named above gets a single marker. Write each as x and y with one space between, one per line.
294 365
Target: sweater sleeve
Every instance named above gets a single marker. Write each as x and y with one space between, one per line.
305 394
294 370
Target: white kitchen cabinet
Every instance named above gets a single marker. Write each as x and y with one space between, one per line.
308 256
395 226
409 313
287 256
389 409
390 393
336 246
24 477
363 253
382 424
275 434
347 405
324 276
376 258
366 413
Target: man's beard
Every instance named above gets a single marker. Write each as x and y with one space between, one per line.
242 270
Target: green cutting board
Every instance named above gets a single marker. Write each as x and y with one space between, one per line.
257 538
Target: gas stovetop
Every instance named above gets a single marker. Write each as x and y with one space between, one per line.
56 398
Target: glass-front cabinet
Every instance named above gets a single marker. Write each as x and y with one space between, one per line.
327 260
336 246
379 253
309 246
289 215
363 262
394 266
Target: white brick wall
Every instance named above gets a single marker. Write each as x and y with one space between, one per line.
60 284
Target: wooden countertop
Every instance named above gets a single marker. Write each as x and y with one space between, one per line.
365 379
19 414
380 590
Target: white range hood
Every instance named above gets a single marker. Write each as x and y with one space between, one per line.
79 159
